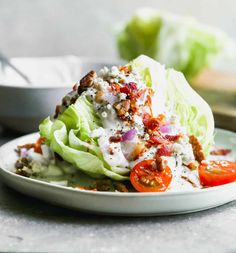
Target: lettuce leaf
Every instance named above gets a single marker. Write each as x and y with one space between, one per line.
178 42
69 137
173 92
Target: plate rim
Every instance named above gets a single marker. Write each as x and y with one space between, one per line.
109 194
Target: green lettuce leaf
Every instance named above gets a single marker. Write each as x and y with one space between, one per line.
173 91
81 115
68 136
178 42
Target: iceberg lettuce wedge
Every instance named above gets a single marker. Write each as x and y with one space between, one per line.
70 134
173 92
178 42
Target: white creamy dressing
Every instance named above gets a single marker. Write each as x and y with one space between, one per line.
179 172
111 124
117 158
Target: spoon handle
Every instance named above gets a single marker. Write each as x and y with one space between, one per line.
6 61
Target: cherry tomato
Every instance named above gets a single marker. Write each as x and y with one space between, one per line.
37 147
215 173
146 178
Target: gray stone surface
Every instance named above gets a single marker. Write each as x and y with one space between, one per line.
30 225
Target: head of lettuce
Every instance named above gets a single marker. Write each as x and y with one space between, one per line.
84 133
178 42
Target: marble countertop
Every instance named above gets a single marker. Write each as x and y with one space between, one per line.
30 225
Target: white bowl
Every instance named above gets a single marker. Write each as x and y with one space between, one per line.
22 107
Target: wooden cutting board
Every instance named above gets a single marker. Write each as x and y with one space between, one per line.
219 90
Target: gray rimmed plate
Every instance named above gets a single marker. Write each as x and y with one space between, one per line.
114 203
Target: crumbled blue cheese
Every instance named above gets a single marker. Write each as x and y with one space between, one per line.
183 150
109 106
114 71
104 114
103 72
122 96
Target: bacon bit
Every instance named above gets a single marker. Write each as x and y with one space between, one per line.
197 148
111 151
193 165
221 152
129 88
163 151
172 138
146 117
126 69
138 150
27 146
156 140
152 123
115 87
125 90
160 163
122 81
148 101
161 117
37 147
189 180
137 94
119 132
115 139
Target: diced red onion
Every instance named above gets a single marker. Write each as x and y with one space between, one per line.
129 135
132 86
165 129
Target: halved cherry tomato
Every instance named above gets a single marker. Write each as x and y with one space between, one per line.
37 147
215 173
146 178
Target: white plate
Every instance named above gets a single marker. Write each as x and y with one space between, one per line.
118 203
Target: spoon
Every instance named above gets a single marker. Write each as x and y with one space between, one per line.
5 61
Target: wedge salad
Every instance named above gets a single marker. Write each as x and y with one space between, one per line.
138 127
